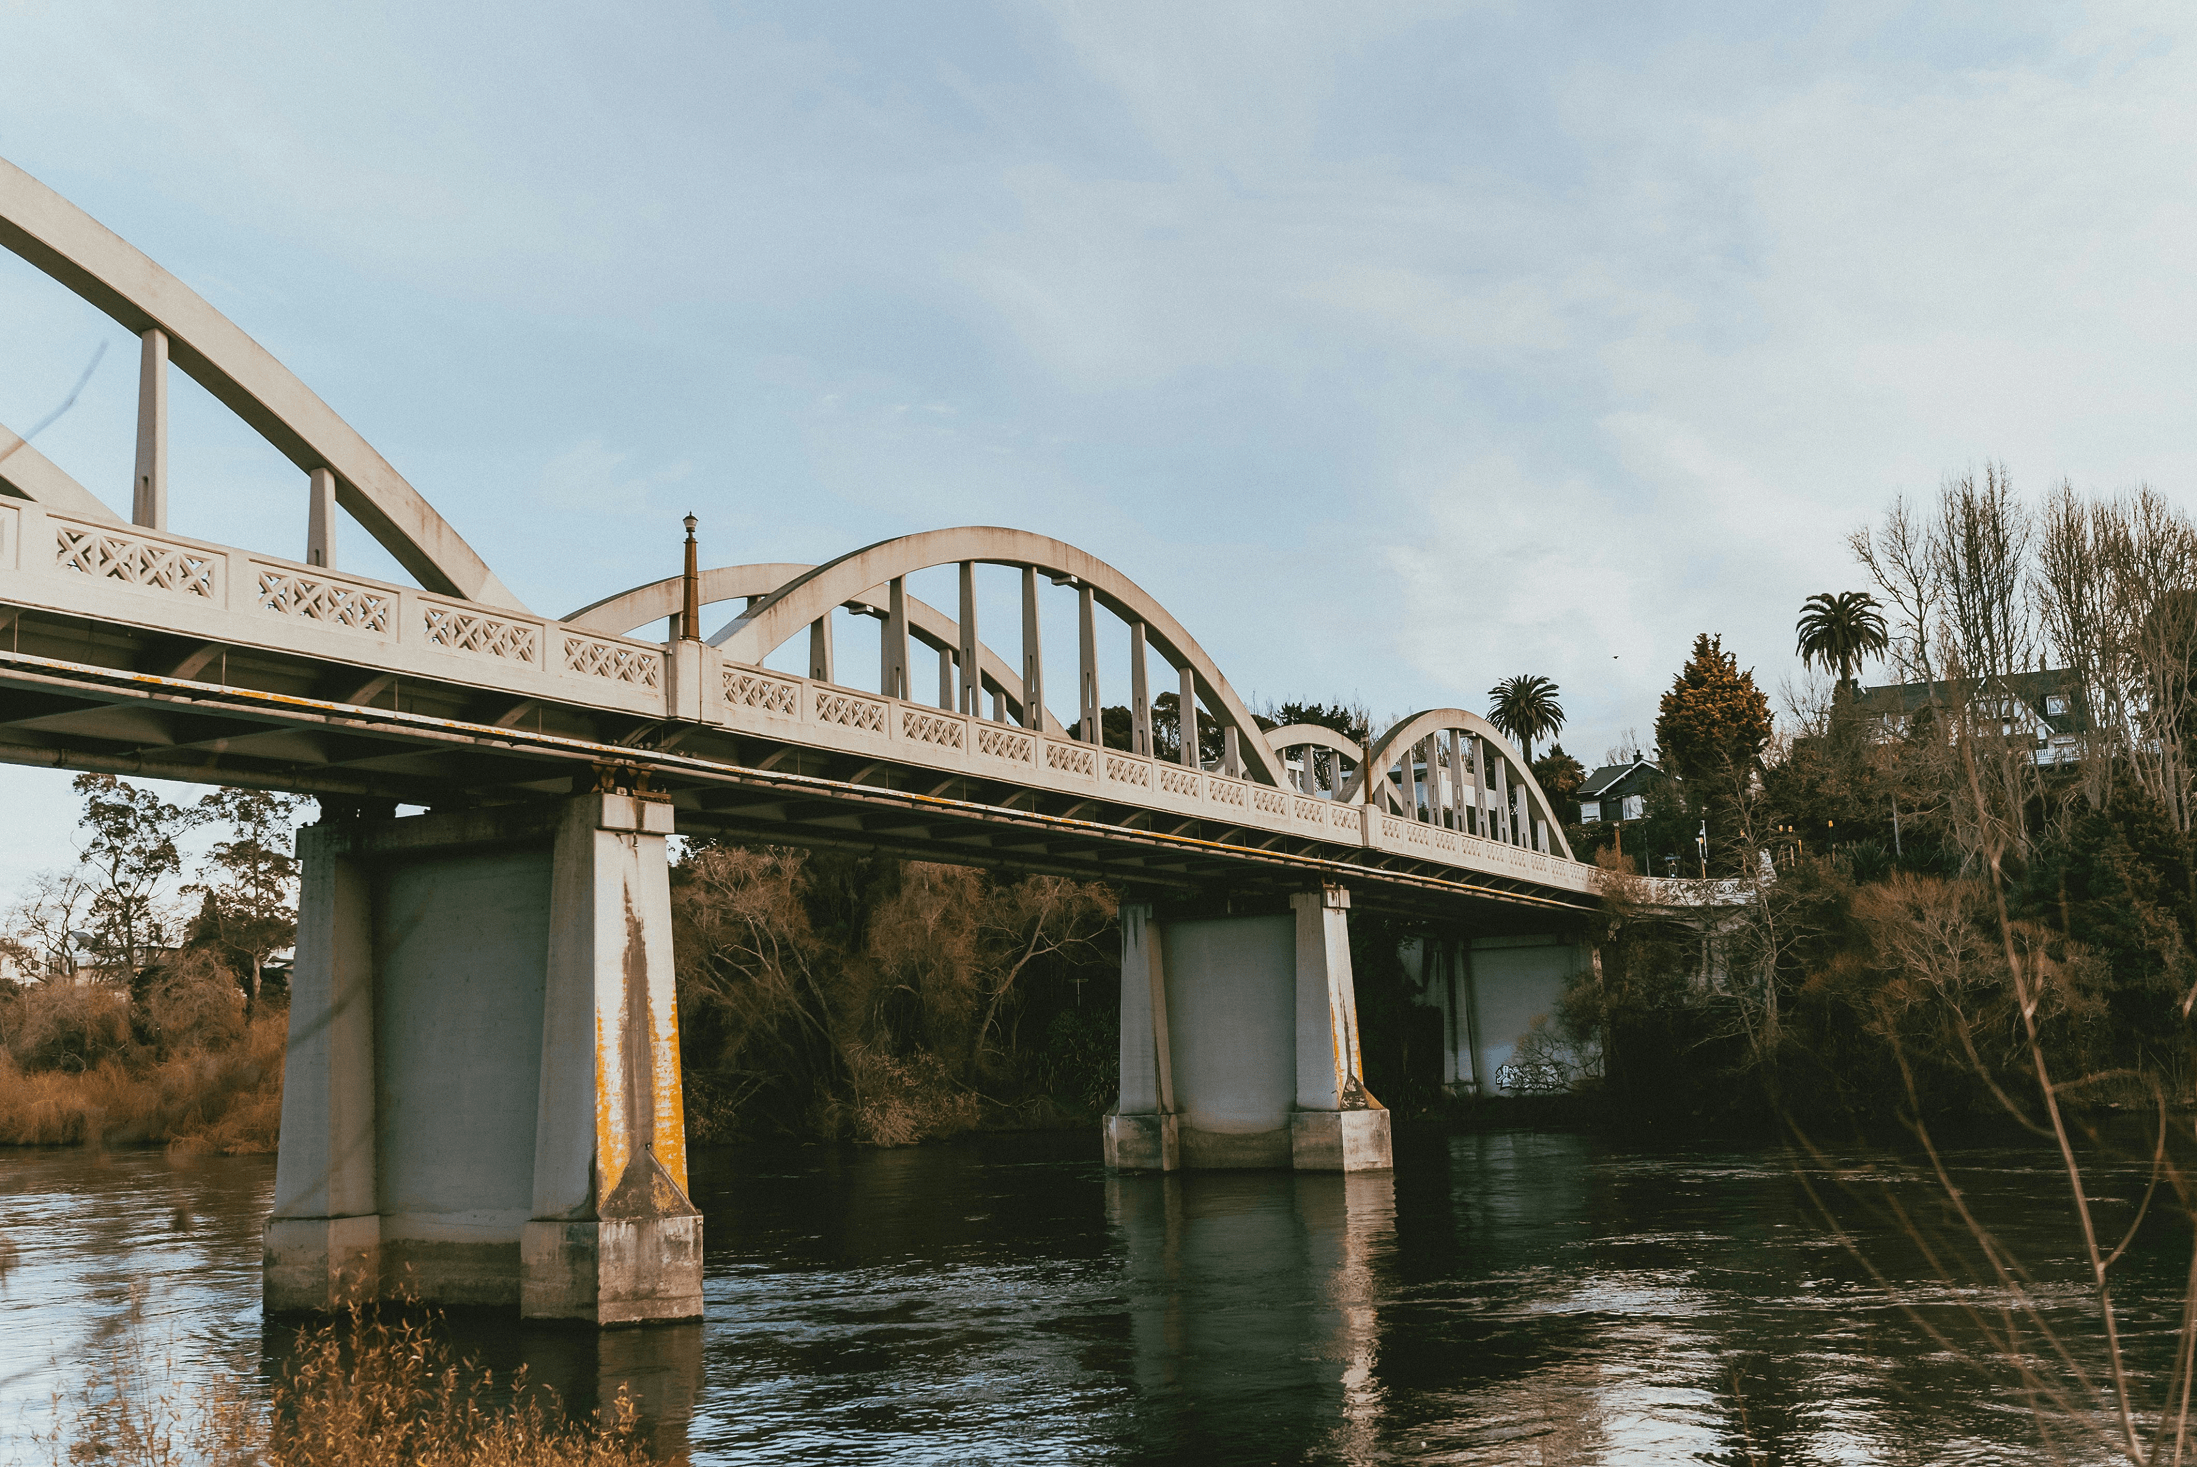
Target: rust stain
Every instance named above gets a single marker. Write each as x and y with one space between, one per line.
670 1119
610 1146
637 1070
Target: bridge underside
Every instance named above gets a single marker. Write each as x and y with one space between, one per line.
77 695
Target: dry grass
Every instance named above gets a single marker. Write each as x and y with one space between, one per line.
227 1100
360 1392
899 1102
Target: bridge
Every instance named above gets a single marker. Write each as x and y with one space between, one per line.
482 1100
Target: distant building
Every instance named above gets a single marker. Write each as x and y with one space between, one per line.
2045 709
1618 791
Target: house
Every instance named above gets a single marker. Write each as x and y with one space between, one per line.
2045 709
1618 791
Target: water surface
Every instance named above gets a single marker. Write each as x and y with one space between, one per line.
1508 1297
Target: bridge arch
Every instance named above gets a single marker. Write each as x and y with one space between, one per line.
623 613
1406 735
789 610
1315 736
177 325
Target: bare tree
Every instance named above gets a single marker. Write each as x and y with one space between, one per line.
129 860
45 924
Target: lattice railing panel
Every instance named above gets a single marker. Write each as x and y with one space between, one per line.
484 635
136 561
1225 792
1179 781
1121 770
1002 743
766 694
642 667
1269 802
1071 760
866 715
930 728
331 602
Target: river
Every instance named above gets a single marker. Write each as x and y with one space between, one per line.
1509 1297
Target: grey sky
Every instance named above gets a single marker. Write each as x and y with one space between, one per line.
1394 348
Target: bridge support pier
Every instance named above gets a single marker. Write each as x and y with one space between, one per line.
1239 1044
481 1103
1492 994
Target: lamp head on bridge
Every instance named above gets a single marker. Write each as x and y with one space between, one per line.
690 613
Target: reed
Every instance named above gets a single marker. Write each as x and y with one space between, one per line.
227 1100
366 1390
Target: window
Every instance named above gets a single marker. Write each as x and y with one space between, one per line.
2055 705
1634 807
1590 811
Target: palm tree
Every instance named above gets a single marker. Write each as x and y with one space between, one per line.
1836 632
1525 708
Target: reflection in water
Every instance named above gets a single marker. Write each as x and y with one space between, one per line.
1251 1308
659 1368
1508 1298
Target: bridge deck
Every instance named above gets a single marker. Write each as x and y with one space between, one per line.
128 648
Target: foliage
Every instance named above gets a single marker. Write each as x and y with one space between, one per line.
1836 631
1560 776
1348 719
874 999
225 1099
1714 719
45 923
130 854
1525 707
248 883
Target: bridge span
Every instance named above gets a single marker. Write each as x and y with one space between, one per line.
482 1100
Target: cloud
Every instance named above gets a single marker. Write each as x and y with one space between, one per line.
1396 349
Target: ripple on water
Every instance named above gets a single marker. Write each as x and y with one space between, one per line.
1505 1298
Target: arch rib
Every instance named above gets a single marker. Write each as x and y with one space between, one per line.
753 636
75 249
29 474
621 614
1297 735
1318 736
1392 745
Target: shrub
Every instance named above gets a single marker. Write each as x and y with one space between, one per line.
71 1027
192 1003
360 1392
228 1101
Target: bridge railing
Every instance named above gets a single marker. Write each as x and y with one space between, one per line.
170 583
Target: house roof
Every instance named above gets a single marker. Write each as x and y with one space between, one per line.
1609 776
2032 688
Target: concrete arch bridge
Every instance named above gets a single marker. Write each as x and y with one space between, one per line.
482 1097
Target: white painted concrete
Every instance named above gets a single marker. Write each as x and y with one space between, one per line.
1325 998
1231 1022
1239 1045
324 1239
460 943
1514 981
484 1105
100 267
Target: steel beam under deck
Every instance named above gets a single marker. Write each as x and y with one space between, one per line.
72 715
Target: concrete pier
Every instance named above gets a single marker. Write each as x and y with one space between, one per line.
481 1102
1239 1044
1492 994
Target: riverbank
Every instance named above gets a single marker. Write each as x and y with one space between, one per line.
226 1100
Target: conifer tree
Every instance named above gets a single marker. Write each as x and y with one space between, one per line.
1714 720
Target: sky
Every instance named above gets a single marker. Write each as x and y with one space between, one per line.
1393 348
